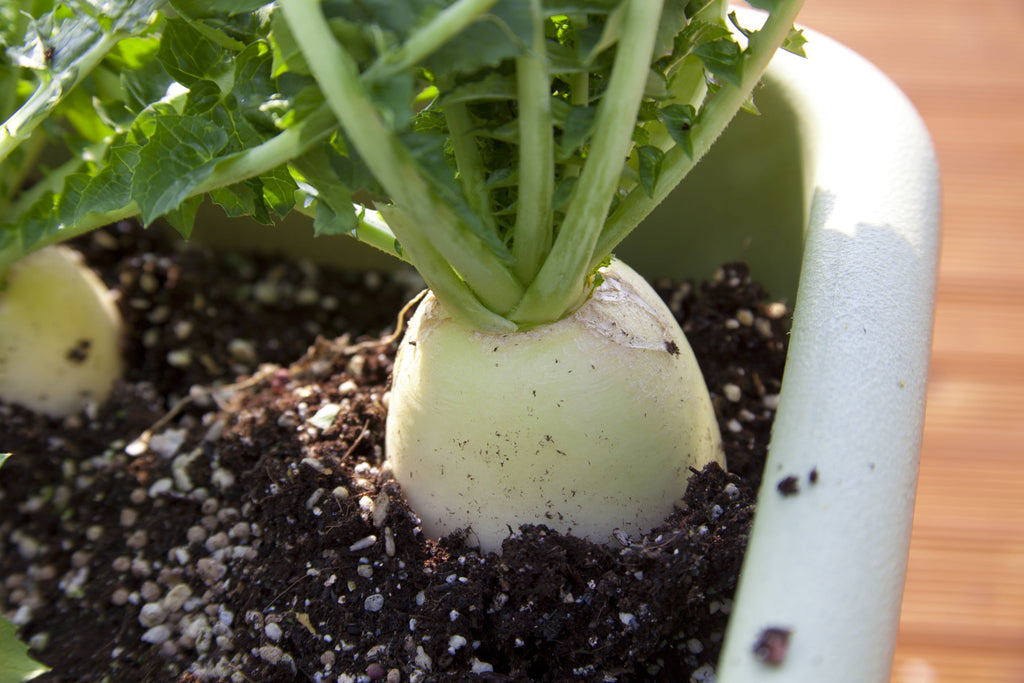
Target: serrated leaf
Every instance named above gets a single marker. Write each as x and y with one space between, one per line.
188 55
235 200
795 42
694 36
15 663
334 212
261 197
34 224
673 15
254 85
110 188
183 216
502 34
143 86
53 42
563 192
649 163
209 8
594 39
495 87
678 120
393 98
178 157
576 130
429 154
277 190
723 58
330 222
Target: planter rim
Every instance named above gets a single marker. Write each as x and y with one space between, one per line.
828 562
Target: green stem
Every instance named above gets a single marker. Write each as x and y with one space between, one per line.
374 230
15 175
392 164
283 147
445 25
49 94
54 180
445 283
472 173
579 94
257 160
371 228
579 82
561 283
534 229
718 111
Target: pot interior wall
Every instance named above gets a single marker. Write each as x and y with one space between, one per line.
746 200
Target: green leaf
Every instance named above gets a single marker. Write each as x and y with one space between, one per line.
678 120
210 8
495 87
331 222
723 58
188 55
287 55
697 37
15 663
650 160
503 33
263 198
62 48
183 216
673 15
110 188
576 130
429 153
145 85
277 190
334 212
177 158
795 42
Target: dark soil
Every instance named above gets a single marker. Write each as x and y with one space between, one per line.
243 542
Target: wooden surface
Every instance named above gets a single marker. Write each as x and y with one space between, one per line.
962 64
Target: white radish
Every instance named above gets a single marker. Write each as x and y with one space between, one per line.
588 425
60 334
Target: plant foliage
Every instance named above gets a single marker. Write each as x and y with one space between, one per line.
508 144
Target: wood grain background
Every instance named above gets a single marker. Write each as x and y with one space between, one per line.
962 64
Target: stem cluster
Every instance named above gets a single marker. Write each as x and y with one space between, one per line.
553 245
506 148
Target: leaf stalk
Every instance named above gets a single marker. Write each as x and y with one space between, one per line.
562 282
718 111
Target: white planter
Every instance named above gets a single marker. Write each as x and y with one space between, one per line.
832 197
828 563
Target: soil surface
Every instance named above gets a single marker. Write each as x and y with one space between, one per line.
229 515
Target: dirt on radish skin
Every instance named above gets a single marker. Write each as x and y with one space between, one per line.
257 535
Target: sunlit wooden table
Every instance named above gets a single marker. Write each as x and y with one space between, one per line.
962 64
